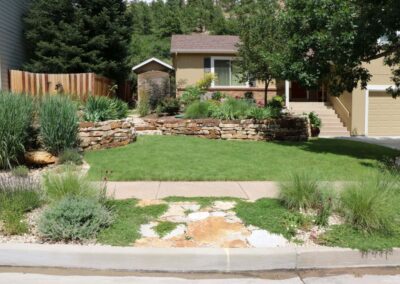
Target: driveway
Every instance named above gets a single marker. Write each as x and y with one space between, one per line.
391 142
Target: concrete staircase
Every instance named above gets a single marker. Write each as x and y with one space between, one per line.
332 126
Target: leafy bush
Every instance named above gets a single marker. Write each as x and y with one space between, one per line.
300 192
143 107
157 92
217 96
277 102
169 106
260 113
205 83
17 196
58 123
100 108
232 109
15 120
74 219
70 156
20 171
370 206
71 184
315 121
198 110
190 95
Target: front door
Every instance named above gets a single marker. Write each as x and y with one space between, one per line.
298 92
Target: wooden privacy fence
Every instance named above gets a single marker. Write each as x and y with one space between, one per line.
80 84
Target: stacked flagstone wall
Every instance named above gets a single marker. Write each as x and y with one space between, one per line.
288 128
106 134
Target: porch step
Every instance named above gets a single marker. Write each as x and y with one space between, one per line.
332 126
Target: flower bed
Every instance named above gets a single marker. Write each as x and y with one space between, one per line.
283 129
106 134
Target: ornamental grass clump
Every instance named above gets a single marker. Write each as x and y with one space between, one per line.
71 184
198 109
58 123
300 192
17 197
371 205
15 121
74 219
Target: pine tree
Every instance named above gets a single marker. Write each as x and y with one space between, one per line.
78 36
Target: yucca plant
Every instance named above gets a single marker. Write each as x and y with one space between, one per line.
58 123
99 108
15 120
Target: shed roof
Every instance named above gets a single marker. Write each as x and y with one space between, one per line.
142 66
201 43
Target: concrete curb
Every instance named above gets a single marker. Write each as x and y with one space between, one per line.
188 259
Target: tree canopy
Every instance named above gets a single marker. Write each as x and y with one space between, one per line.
331 40
78 36
262 43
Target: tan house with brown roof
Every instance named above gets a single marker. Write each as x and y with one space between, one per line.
370 112
195 55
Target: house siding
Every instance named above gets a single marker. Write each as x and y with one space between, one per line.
12 50
380 105
189 69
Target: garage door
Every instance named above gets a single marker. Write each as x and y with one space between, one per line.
384 115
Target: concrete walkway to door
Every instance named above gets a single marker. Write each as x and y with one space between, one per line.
251 190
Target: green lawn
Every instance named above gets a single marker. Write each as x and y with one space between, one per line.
125 229
191 158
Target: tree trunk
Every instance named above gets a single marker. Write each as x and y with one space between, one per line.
266 91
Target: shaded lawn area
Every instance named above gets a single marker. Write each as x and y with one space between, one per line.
195 159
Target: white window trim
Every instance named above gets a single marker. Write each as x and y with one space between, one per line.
247 85
372 88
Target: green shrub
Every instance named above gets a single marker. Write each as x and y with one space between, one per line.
58 123
74 219
143 107
71 184
205 83
260 113
315 121
17 196
190 95
217 96
70 156
370 206
20 171
232 109
198 109
15 120
168 105
101 108
300 192
276 102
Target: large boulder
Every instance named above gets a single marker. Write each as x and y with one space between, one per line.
40 158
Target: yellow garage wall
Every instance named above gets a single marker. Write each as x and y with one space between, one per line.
381 75
384 115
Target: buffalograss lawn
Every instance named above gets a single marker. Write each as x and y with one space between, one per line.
190 158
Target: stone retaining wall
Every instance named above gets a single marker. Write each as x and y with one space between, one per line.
106 134
283 129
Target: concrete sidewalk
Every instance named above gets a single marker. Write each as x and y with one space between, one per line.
251 190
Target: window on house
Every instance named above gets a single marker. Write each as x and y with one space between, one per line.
227 72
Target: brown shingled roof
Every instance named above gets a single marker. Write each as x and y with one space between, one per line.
204 43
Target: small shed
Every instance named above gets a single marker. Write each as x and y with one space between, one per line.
153 74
